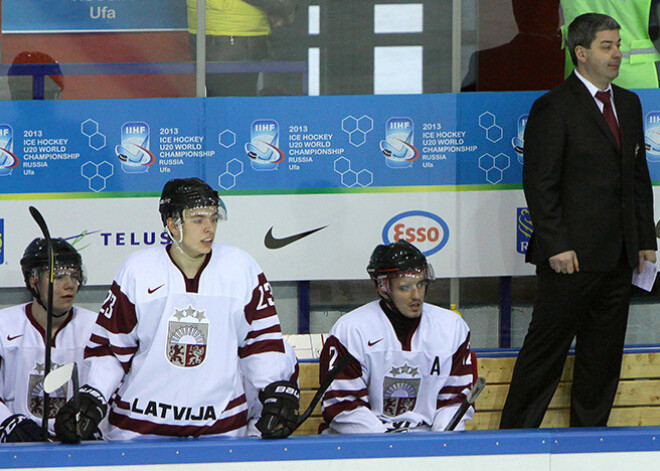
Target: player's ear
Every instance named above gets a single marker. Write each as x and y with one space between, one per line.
382 293
34 282
172 226
581 53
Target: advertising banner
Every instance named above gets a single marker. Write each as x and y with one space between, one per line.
79 16
311 184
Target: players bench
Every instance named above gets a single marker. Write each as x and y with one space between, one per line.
637 399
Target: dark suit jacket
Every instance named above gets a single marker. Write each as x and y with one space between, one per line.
583 194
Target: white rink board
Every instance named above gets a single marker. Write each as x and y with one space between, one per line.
467 463
537 462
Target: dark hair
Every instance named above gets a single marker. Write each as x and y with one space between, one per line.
582 31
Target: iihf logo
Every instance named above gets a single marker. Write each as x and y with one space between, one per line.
263 148
8 161
524 229
398 145
652 136
133 152
518 142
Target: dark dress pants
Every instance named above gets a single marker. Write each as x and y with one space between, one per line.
590 307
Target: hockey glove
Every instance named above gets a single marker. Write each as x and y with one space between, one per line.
73 424
19 428
279 417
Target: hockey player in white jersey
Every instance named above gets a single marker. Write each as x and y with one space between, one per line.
412 365
182 329
22 340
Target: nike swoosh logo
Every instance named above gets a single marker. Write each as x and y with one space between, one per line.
14 337
371 344
277 243
152 291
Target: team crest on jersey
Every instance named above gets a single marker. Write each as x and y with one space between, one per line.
36 393
400 389
187 337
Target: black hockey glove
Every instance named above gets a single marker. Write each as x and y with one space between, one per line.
72 424
279 417
19 428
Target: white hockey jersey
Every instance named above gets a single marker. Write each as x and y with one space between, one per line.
415 385
183 348
22 352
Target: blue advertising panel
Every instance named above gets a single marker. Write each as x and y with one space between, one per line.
268 144
280 145
61 16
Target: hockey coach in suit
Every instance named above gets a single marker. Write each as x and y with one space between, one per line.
588 189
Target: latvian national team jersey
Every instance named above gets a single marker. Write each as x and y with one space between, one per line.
184 347
22 359
416 386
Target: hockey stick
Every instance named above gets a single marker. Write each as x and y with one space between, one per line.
329 378
39 219
59 377
479 385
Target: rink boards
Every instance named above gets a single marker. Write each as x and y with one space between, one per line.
545 449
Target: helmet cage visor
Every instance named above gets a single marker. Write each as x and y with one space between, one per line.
383 279
177 210
60 271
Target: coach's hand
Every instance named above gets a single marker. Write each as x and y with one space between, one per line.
565 262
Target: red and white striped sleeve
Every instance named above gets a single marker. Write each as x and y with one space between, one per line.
461 378
261 350
110 349
346 402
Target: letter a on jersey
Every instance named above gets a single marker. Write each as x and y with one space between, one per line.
187 337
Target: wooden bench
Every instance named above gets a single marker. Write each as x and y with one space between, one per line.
637 399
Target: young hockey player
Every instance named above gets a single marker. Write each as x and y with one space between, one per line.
181 330
22 340
412 365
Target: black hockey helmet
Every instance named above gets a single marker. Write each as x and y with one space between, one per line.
397 259
180 194
35 260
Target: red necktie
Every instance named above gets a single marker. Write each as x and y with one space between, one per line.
608 113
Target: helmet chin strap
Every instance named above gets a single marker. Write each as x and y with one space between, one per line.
37 296
389 303
177 243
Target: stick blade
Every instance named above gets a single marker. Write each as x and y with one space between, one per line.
58 378
41 222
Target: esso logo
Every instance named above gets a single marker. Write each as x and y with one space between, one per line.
426 231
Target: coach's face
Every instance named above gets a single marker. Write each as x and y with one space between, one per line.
600 62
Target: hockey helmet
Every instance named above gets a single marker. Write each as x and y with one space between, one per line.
180 194
35 260
397 259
